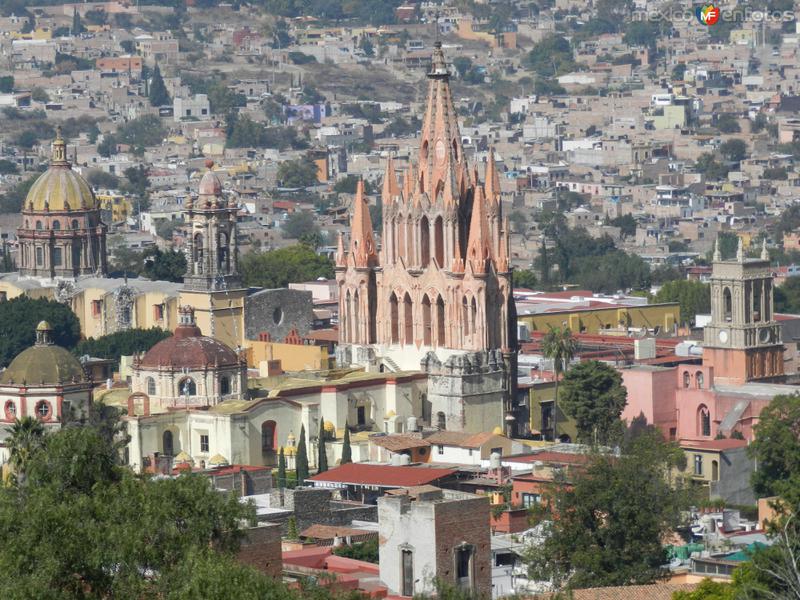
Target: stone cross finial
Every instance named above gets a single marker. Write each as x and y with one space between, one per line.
717 254
764 251
740 251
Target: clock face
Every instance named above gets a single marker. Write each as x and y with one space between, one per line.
723 336
440 150
765 336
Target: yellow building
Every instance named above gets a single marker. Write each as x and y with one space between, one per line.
40 33
119 206
293 357
589 319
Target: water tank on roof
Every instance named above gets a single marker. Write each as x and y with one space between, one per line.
411 424
405 460
395 460
494 460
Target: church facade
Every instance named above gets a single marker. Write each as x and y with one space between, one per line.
437 297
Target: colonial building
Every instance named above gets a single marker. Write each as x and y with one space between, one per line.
44 381
438 296
61 235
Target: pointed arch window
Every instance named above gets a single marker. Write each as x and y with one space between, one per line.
465 315
394 318
727 303
425 241
703 421
426 321
438 241
356 318
408 320
474 315
440 325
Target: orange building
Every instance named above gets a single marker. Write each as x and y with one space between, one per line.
120 64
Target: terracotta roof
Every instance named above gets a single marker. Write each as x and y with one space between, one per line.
382 475
655 591
189 348
461 439
328 532
395 443
714 444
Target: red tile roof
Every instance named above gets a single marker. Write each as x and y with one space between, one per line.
382 475
714 444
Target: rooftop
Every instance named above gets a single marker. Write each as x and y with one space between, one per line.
389 476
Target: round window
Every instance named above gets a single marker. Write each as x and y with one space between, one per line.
43 410
277 316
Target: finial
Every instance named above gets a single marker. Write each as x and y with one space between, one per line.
717 254
59 149
764 251
58 132
209 164
740 251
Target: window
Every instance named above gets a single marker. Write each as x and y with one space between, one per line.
497 451
704 421
361 415
470 451
698 378
268 436
97 308
441 420
43 410
529 500
57 257
11 410
38 225
698 464
187 387
407 566
224 385
56 225
75 224
166 443
158 312
686 378
464 567
39 257
203 442
151 386
441 449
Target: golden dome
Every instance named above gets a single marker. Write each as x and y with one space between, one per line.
44 363
60 188
43 326
497 431
218 461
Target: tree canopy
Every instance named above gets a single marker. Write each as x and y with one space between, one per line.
694 297
551 57
298 173
278 268
158 95
776 449
300 223
19 318
164 265
121 343
592 393
607 526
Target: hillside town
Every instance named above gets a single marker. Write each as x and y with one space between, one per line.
465 299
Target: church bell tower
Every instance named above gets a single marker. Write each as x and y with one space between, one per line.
743 341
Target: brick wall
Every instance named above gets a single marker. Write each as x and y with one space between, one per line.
261 549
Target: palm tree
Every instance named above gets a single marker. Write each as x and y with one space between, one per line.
559 345
26 437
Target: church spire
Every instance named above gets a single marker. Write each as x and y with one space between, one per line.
390 188
362 240
717 254
479 246
59 156
341 258
492 179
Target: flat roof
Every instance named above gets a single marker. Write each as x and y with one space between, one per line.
382 475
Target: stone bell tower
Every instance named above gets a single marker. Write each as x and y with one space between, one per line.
743 341
212 284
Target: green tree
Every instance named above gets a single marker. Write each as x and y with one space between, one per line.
143 132
608 526
121 343
348 184
300 223
138 182
158 94
26 437
322 453
617 270
101 179
7 167
559 346
694 297
77 26
6 84
551 57
733 150
39 94
592 393
291 529
164 265
367 551
626 224
776 450
301 459
278 268
281 483
11 201
298 173
707 164
708 590
108 147
19 318
727 123
524 279
787 296
678 72
346 450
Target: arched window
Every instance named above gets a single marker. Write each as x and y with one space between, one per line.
767 300
356 318
757 304
74 223
39 257
198 251
151 386
38 225
408 320
223 260
394 318
441 420
348 324
699 380
465 315
268 431
224 385
727 303
187 387
686 379
426 321
401 238
440 325
57 225
425 241
714 470
167 443
703 421
438 240
474 316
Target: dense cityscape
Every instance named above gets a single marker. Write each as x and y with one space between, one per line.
468 299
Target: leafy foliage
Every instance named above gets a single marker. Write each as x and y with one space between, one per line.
776 449
609 524
551 57
143 131
301 459
19 318
158 95
592 393
787 296
366 551
299 224
164 265
734 150
322 454
693 296
298 173
121 343
524 278
278 268
12 200
346 449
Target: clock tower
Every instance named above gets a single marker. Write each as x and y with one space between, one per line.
743 341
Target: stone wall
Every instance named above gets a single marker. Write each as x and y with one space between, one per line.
277 312
312 506
261 549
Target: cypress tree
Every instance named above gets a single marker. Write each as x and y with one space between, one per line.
291 529
346 452
281 469
322 454
158 91
301 461
77 26
544 264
